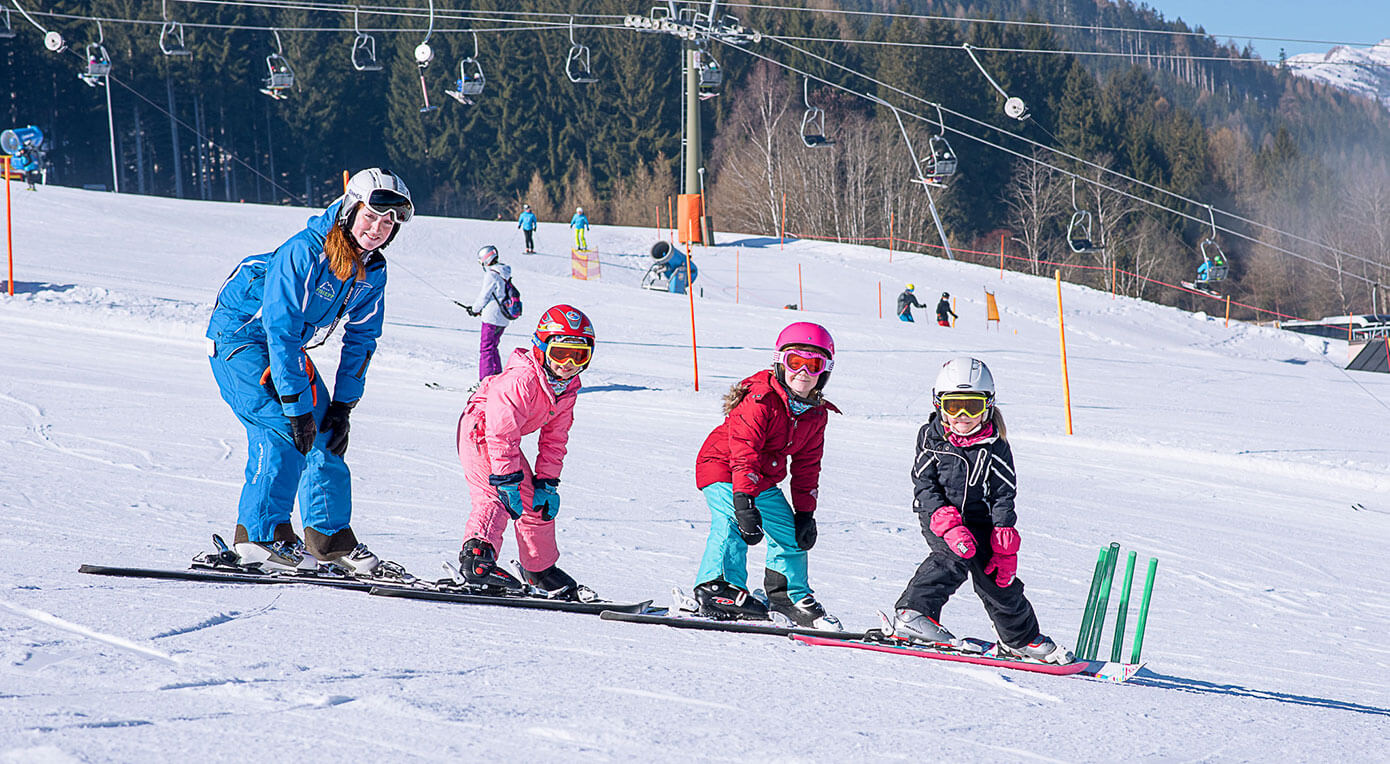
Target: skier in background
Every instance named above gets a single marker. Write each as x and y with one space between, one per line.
536 391
527 224
580 224
906 302
964 489
488 304
774 422
267 312
943 310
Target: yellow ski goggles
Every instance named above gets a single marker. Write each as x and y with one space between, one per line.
963 404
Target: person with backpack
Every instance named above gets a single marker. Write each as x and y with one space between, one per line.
527 223
580 224
906 302
498 302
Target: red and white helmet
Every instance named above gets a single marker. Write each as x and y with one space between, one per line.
563 321
487 255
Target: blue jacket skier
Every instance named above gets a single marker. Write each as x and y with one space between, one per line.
268 310
580 224
527 223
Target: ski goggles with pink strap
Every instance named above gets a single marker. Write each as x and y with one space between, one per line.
809 361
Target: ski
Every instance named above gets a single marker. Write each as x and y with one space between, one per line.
982 653
242 577
597 607
692 621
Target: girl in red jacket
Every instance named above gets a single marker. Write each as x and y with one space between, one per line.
774 423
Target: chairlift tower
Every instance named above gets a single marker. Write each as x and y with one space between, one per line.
701 80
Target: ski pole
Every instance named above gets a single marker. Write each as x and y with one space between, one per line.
1089 611
1102 602
1144 610
1124 609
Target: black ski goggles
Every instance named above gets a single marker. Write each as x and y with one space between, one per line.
387 202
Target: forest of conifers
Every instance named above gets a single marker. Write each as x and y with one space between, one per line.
1306 161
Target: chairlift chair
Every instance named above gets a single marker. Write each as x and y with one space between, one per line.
1079 230
363 49
171 34
1214 267
711 76
281 77
813 122
471 81
940 163
577 62
98 64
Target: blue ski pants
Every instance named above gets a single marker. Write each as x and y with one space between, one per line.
275 470
906 316
726 556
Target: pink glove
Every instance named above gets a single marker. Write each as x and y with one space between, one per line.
1004 564
946 523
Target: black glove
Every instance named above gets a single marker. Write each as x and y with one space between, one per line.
805 529
336 422
303 431
468 308
749 520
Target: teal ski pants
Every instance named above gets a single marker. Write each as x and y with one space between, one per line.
726 556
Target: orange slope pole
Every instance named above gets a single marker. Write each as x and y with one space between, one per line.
9 228
690 293
1062 334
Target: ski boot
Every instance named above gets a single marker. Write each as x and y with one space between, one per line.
556 584
1042 648
342 554
478 565
911 626
806 613
283 553
722 601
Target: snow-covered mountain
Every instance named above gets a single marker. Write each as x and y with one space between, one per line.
1364 71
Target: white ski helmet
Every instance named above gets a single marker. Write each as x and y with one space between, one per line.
487 256
579 210
963 375
381 190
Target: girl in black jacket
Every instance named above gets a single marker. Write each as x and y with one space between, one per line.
964 488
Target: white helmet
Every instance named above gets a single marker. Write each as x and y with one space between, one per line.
487 256
382 191
963 375
579 210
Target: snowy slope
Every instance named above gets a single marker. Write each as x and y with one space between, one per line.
1363 71
1233 455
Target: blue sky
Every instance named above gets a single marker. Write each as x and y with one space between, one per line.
1360 21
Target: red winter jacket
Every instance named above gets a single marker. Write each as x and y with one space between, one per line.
759 439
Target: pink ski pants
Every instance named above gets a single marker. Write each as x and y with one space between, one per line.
535 538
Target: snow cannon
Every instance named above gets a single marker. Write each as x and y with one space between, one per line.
15 141
667 272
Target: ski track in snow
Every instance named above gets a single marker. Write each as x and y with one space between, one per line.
1195 444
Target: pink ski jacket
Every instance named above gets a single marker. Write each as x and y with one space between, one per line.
518 402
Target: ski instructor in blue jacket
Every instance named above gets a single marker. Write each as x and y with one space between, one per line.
268 312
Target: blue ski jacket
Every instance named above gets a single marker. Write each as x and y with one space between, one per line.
527 221
580 220
281 298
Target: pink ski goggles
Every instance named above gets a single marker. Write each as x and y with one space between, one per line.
809 361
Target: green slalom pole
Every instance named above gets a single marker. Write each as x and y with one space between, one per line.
1144 610
1124 609
1102 602
1089 612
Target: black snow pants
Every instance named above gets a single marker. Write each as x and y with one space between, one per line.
530 245
942 573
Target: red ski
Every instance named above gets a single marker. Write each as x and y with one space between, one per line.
981 659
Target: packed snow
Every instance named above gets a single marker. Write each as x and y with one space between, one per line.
1235 455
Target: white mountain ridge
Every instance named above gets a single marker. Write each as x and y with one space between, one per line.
1364 71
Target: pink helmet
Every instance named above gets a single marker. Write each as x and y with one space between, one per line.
807 333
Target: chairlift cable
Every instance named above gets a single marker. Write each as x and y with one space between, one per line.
1044 24
1026 157
1056 151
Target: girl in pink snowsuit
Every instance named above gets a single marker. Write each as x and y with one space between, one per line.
535 391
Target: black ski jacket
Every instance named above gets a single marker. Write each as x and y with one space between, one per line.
907 299
979 479
943 309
